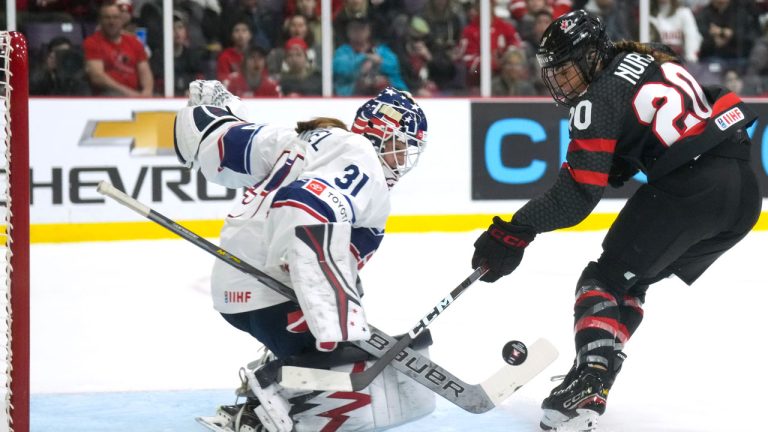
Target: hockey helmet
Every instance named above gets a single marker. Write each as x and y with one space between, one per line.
571 48
397 128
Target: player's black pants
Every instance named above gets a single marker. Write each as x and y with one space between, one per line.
679 224
268 325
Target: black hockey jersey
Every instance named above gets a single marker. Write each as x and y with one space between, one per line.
636 115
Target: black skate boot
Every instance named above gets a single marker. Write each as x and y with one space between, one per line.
578 401
241 417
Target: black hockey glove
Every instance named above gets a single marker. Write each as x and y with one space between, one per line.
501 248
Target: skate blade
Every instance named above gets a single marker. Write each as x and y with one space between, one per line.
585 421
214 423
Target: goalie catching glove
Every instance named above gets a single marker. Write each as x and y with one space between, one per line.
212 92
501 248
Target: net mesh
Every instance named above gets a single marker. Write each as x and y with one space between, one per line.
5 296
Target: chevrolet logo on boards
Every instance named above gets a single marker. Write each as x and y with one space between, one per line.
148 133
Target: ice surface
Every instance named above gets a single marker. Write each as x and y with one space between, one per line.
133 322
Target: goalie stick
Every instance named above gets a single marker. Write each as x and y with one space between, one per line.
474 398
321 379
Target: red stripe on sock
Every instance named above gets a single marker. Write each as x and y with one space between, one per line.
594 293
608 325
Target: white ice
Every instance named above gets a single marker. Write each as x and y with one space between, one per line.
136 316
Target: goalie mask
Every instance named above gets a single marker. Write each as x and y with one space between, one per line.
570 50
397 128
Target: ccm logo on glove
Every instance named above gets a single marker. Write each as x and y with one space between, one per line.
500 248
506 238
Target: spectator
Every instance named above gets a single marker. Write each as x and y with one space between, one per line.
416 58
310 9
527 21
230 60
362 68
696 5
446 22
756 76
513 80
203 23
296 26
676 28
615 15
503 35
263 23
187 60
379 16
729 30
733 82
299 78
389 18
115 61
542 20
254 81
519 8
126 15
62 72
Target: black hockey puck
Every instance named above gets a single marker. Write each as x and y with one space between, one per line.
514 352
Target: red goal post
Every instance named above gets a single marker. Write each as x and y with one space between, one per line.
14 196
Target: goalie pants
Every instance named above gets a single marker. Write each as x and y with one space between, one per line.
678 225
268 325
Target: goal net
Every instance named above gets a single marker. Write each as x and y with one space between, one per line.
14 217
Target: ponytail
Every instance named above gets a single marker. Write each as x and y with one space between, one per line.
319 122
660 52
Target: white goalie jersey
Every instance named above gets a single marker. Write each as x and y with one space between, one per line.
320 176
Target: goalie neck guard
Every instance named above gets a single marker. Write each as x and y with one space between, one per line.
397 127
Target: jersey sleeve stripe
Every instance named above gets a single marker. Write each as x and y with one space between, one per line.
727 101
301 206
235 148
589 177
593 145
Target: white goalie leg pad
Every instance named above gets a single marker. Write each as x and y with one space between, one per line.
324 274
397 399
273 409
392 399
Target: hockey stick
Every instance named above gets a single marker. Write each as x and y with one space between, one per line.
321 379
474 398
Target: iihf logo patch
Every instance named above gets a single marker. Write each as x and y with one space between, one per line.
729 118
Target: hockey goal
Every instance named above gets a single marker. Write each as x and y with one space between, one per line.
14 205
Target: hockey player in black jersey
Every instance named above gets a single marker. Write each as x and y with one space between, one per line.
633 108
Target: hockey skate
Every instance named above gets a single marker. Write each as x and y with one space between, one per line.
234 418
578 401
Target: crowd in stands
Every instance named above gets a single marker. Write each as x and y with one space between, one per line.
272 48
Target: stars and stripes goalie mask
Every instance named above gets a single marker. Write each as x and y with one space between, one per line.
397 127
571 49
